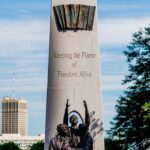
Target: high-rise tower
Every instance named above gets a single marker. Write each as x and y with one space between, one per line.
14 116
74 66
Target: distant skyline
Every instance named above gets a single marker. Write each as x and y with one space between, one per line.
24 43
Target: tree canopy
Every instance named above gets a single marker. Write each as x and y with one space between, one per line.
37 146
9 146
146 109
112 144
129 124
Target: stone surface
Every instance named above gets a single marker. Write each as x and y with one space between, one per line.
74 72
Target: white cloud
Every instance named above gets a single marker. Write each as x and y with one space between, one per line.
110 7
112 57
112 82
23 37
109 103
26 5
116 32
23 51
24 85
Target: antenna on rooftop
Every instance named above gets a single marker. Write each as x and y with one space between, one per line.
13 85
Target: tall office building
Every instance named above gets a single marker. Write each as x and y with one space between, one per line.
14 116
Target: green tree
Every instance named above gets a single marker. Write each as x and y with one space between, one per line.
9 146
112 144
129 124
146 109
37 146
146 112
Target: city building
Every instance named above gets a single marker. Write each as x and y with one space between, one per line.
14 116
24 141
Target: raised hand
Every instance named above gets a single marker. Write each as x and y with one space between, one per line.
67 103
87 116
84 103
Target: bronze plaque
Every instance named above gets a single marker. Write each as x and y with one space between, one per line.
74 17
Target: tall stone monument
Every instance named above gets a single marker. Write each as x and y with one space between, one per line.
74 66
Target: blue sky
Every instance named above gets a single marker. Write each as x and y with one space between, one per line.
24 40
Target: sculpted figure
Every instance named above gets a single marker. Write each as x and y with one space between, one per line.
86 141
61 141
74 119
87 115
73 129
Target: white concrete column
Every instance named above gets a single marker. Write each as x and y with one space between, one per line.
74 74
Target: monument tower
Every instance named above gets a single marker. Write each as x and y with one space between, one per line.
73 71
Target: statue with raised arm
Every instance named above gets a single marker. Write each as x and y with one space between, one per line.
73 129
73 118
87 115
65 120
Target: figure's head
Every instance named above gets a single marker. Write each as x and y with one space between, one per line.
62 129
73 120
83 128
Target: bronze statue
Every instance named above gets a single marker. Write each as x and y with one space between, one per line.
86 141
73 129
73 137
74 17
74 119
76 134
61 140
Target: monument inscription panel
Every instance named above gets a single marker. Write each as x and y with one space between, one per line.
74 59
